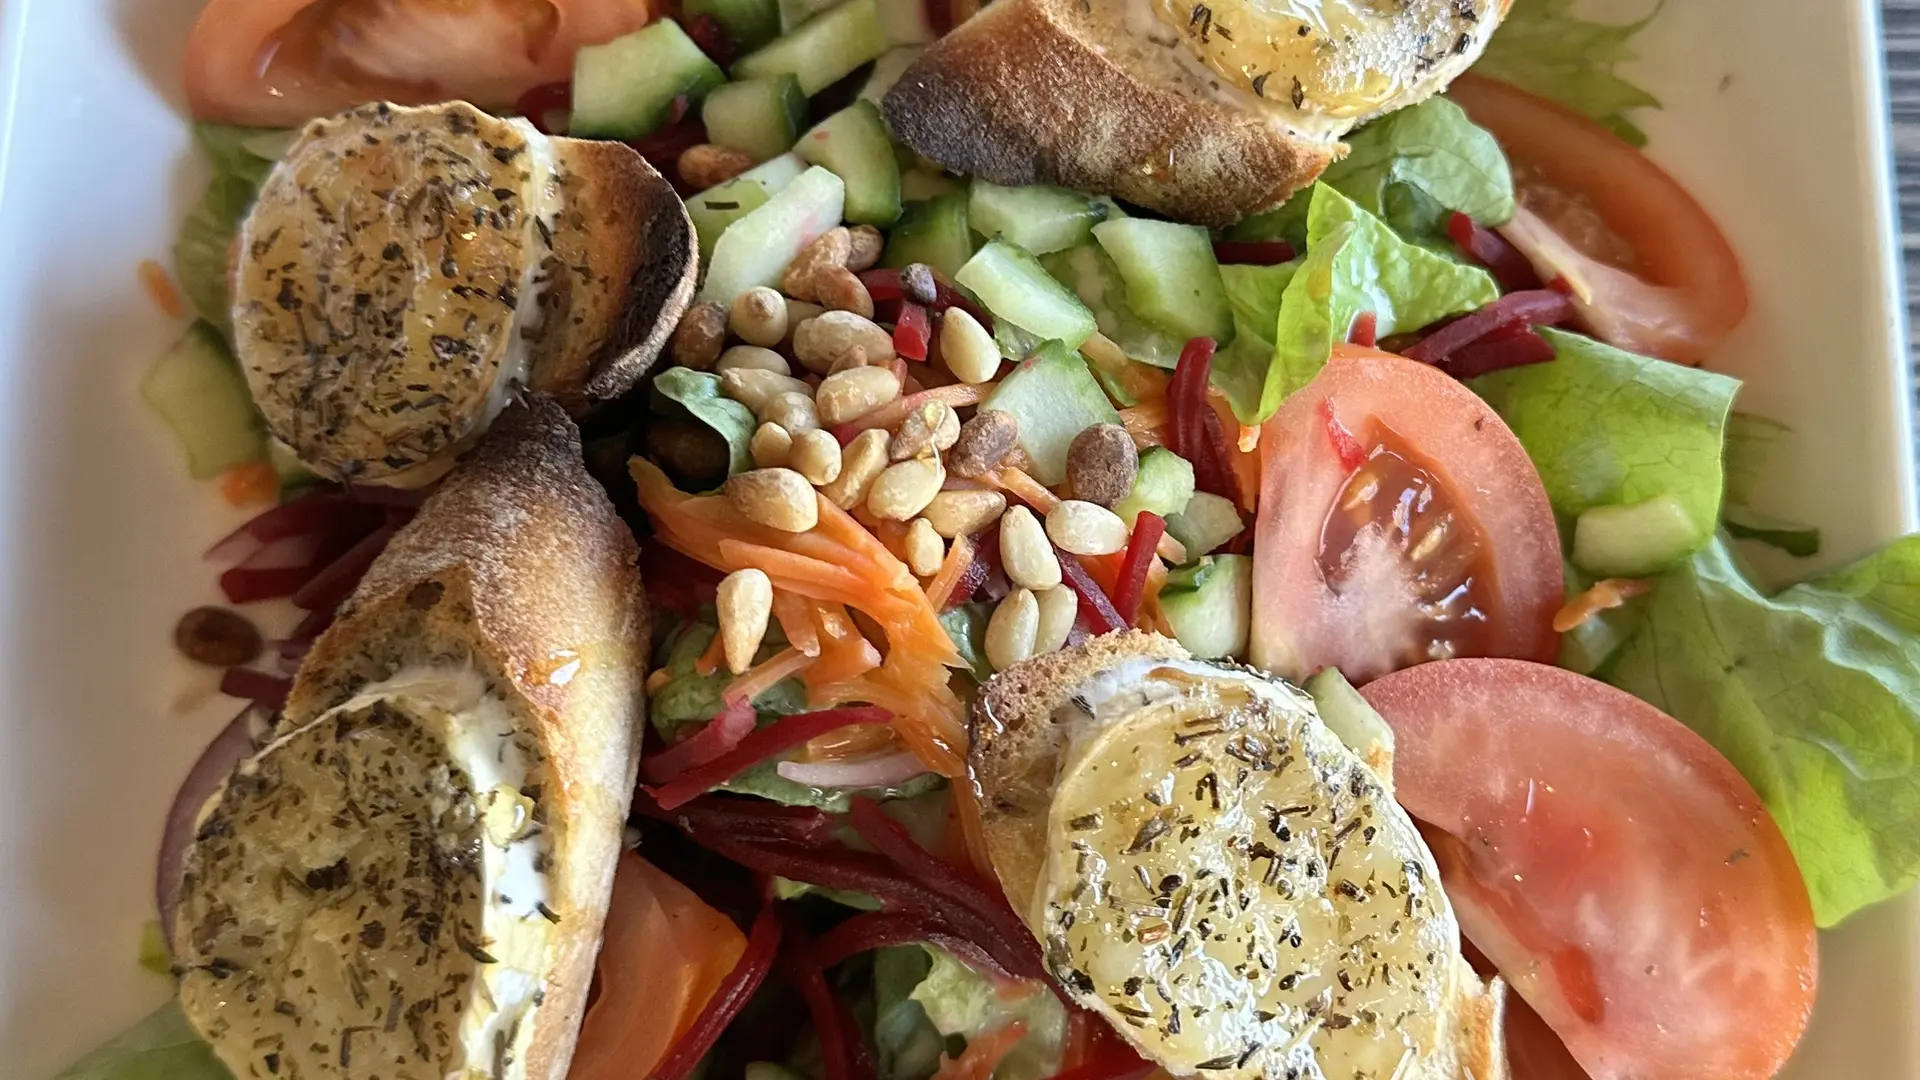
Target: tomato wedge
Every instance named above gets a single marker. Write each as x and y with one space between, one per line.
664 954
279 63
1651 271
1399 522
1614 867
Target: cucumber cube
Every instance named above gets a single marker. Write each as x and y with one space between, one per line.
757 249
1164 486
625 89
1041 219
1207 522
795 12
1634 541
720 206
1015 287
853 143
758 117
749 23
1173 280
1053 397
822 51
1209 606
197 389
933 232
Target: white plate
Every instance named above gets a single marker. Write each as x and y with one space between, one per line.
1774 118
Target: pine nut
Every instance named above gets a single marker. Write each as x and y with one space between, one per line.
777 498
744 602
905 488
865 247
759 317
798 311
1083 528
754 388
1024 551
925 550
852 394
840 289
816 456
752 358
793 411
830 248
1012 630
966 347
1059 607
933 424
963 513
697 340
827 339
771 446
861 463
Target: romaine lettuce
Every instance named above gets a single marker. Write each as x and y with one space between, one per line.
161 1047
961 1001
1813 694
204 243
1544 49
696 395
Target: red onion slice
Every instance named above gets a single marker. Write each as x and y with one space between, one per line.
888 771
235 741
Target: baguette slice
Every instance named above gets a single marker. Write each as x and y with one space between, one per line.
1116 96
410 880
1160 822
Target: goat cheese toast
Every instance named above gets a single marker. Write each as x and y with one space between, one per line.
409 880
403 270
1212 870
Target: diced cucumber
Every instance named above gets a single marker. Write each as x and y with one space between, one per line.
934 232
749 23
1173 280
1089 271
905 22
625 88
1633 541
758 248
919 185
853 143
723 204
888 69
1348 716
795 12
197 388
1014 286
1054 398
758 117
1207 522
1041 219
823 51
1209 605
1164 486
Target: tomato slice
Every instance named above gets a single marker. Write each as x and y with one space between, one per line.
1614 867
1650 270
1399 521
279 63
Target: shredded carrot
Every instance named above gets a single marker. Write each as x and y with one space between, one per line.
842 660
658 681
795 614
1244 460
891 533
1249 440
860 740
710 660
959 559
760 678
1171 550
1604 596
973 830
1147 423
1016 482
959 395
253 483
983 1054
161 289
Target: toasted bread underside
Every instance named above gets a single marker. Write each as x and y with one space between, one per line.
1035 92
622 273
519 565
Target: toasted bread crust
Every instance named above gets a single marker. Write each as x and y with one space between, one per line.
622 273
519 565
1020 95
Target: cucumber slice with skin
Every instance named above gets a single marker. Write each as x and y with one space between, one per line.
1015 287
1634 541
1041 219
1207 522
1090 273
853 143
905 22
823 51
1173 280
934 232
795 12
757 249
1209 606
919 185
749 23
1348 715
758 117
198 390
887 71
720 206
1797 540
625 89
1053 397
1163 485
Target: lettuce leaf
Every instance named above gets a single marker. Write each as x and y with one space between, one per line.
205 240
907 1045
961 1001
1543 48
1354 263
1814 695
696 395
161 1047
1608 428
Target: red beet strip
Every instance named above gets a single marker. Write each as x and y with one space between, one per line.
1132 585
883 929
1253 252
304 516
743 818
542 100
719 736
781 735
267 691
1197 432
1537 307
731 996
843 1049
1096 609
1511 347
912 332
243 586
1488 248
326 590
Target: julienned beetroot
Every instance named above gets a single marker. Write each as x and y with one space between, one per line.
731 996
